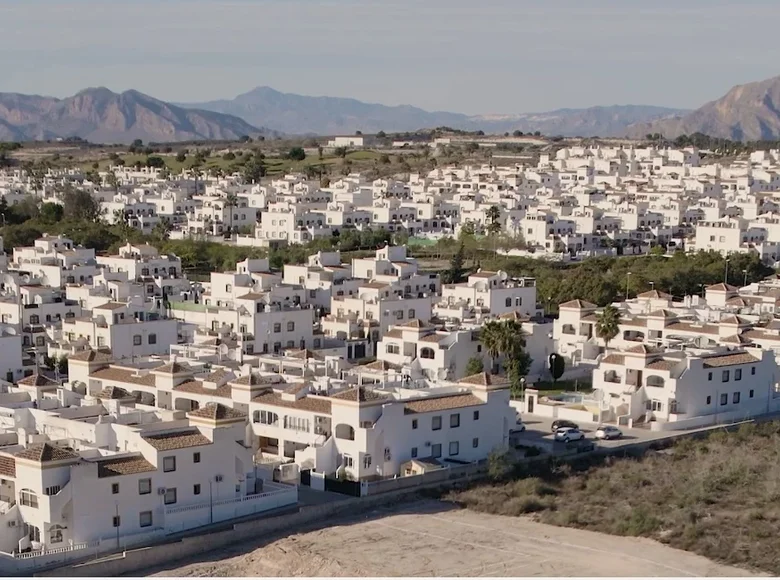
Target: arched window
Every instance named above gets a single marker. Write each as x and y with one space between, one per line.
508 302
427 353
55 534
655 381
344 431
28 498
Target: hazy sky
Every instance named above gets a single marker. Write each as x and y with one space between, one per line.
488 56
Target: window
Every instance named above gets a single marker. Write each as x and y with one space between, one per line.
55 534
196 489
414 423
752 370
170 496
455 420
399 314
709 376
508 302
392 349
414 452
735 398
436 422
411 313
137 340
144 486
34 319
290 326
476 415
196 457
152 339
169 464
475 442
228 288
39 341
28 498
738 375
115 521
145 519
709 400
277 327
725 376
367 462
454 448
347 460
436 450
114 488
724 399
750 394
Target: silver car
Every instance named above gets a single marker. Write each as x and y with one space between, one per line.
608 432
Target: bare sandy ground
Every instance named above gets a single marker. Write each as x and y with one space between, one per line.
433 539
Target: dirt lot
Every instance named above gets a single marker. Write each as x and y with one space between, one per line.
432 538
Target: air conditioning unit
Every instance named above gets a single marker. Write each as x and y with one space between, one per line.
160 491
217 478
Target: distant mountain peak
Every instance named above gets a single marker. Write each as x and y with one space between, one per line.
748 112
298 114
103 116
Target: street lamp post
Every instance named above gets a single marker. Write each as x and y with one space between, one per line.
628 278
726 275
744 283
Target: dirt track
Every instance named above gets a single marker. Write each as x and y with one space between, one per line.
433 539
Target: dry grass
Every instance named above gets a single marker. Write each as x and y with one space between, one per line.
718 497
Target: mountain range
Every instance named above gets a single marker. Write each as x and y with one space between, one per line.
297 115
749 112
746 112
102 116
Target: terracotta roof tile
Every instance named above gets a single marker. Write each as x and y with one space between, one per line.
361 394
38 380
380 365
313 404
726 360
484 379
614 359
122 375
197 388
112 392
113 466
654 294
92 356
581 304
173 368
217 412
7 466
663 365
43 452
177 440
433 404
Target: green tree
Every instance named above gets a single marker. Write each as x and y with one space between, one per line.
254 170
557 366
181 157
80 205
456 271
112 181
231 201
494 215
62 365
296 154
341 152
607 324
474 366
51 213
162 229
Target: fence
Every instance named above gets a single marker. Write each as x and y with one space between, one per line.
453 473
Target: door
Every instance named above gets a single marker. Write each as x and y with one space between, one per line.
530 406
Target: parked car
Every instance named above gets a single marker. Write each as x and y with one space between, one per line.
608 432
568 434
563 424
519 426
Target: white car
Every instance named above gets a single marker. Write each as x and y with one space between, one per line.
568 434
608 432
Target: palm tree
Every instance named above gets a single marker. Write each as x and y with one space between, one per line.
607 324
231 201
502 338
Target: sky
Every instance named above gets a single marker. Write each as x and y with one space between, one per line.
466 56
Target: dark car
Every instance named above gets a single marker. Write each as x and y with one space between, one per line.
563 424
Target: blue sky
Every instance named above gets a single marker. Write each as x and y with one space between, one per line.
489 56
